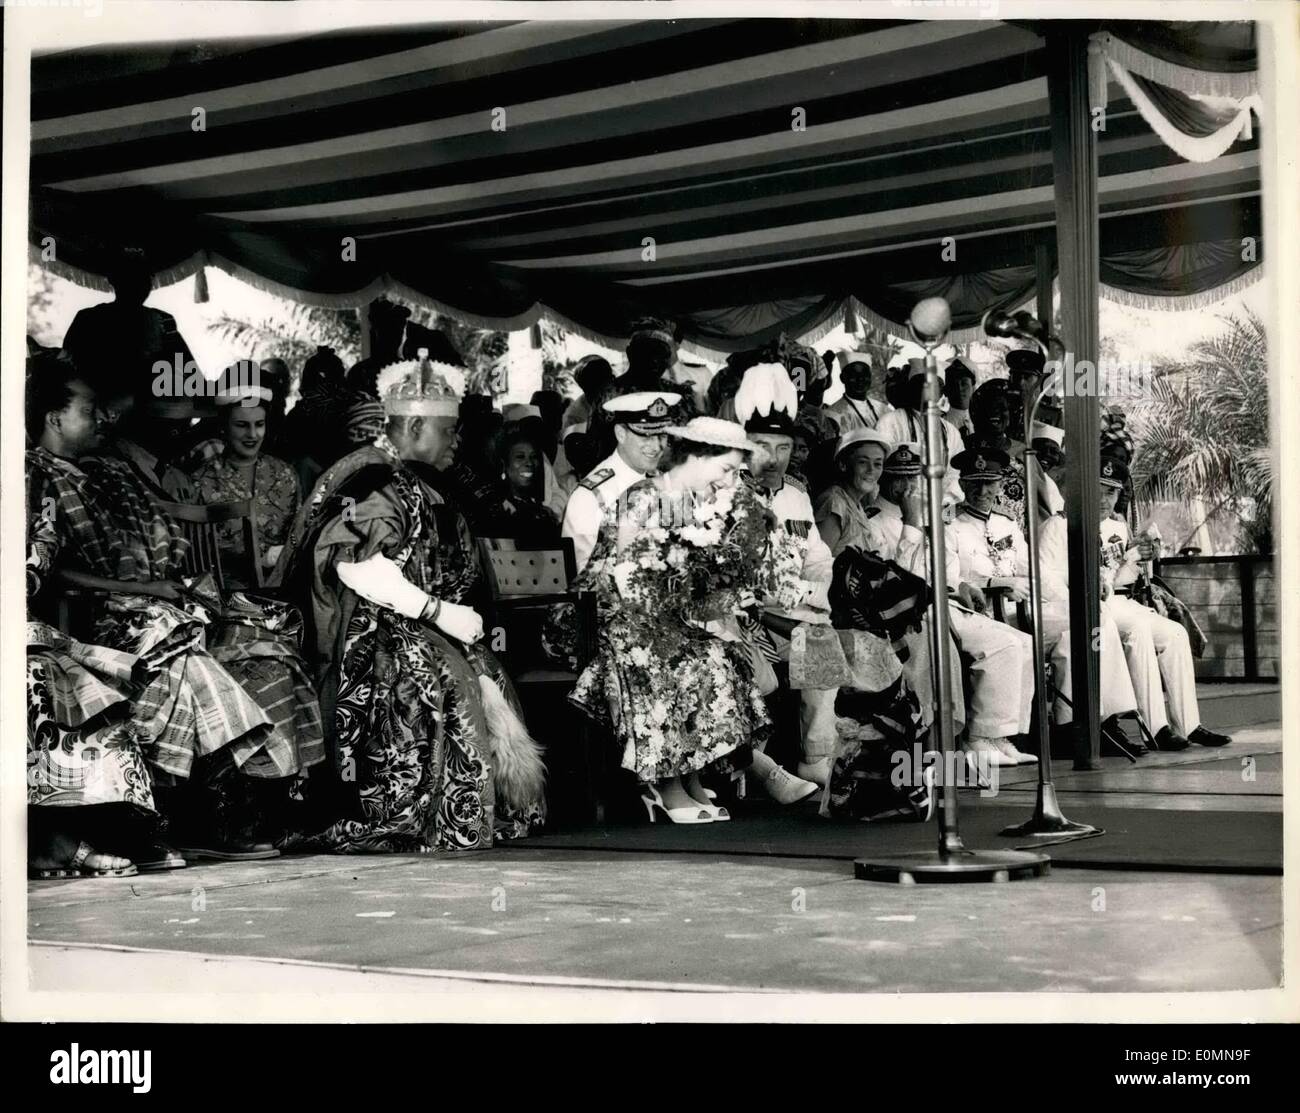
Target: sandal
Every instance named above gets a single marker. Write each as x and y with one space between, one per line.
156 857
78 867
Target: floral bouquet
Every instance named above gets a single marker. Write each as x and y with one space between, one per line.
700 556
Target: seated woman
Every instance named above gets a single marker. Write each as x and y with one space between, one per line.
244 471
843 511
675 556
521 514
428 749
90 798
115 539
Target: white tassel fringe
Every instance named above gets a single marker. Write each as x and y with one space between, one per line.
517 770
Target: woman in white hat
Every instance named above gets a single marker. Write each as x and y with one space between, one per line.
676 555
845 508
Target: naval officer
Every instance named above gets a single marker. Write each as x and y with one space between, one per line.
640 422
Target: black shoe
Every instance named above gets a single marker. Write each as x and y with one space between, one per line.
1168 740
1203 737
1111 745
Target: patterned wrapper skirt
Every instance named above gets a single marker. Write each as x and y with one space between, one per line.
258 644
190 706
411 736
82 748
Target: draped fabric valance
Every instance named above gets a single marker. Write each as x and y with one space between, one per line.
1199 114
743 177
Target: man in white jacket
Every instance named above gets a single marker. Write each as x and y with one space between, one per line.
1002 662
1139 625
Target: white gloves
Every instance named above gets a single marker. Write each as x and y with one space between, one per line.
381 581
462 623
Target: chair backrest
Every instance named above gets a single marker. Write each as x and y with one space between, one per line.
198 524
515 573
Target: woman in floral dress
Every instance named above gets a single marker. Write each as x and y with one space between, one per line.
244 471
676 556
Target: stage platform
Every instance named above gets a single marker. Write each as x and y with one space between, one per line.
1182 893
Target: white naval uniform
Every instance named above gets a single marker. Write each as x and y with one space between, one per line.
1155 647
1002 657
1117 696
586 506
992 548
850 414
903 425
793 510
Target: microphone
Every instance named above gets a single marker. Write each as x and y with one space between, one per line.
930 320
1022 326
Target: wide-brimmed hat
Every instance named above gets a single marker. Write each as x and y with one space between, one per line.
862 436
713 430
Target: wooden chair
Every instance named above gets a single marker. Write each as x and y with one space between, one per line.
524 583
198 523
72 606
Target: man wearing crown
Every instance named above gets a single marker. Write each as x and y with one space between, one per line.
429 752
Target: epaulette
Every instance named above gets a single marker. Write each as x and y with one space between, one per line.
795 482
596 478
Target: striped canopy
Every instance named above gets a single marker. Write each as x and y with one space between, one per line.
740 177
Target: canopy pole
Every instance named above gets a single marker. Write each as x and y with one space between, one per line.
1074 165
1044 274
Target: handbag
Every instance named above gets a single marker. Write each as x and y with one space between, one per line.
817 658
872 663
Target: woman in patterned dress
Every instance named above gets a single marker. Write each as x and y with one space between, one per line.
89 791
244 471
674 558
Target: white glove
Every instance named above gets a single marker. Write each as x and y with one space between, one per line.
381 581
462 623
271 556
818 597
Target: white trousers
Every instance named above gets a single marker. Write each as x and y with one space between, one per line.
1002 674
1117 695
817 723
1157 649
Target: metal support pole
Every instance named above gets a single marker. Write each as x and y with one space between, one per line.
936 470
929 325
1048 819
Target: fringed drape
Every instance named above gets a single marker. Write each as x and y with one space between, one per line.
1193 148
1196 130
1177 303
1186 79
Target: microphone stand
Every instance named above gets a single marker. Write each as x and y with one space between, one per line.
1048 820
951 861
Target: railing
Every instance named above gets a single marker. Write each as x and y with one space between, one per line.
1234 598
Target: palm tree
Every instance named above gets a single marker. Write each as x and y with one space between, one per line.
1204 431
294 333
296 330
